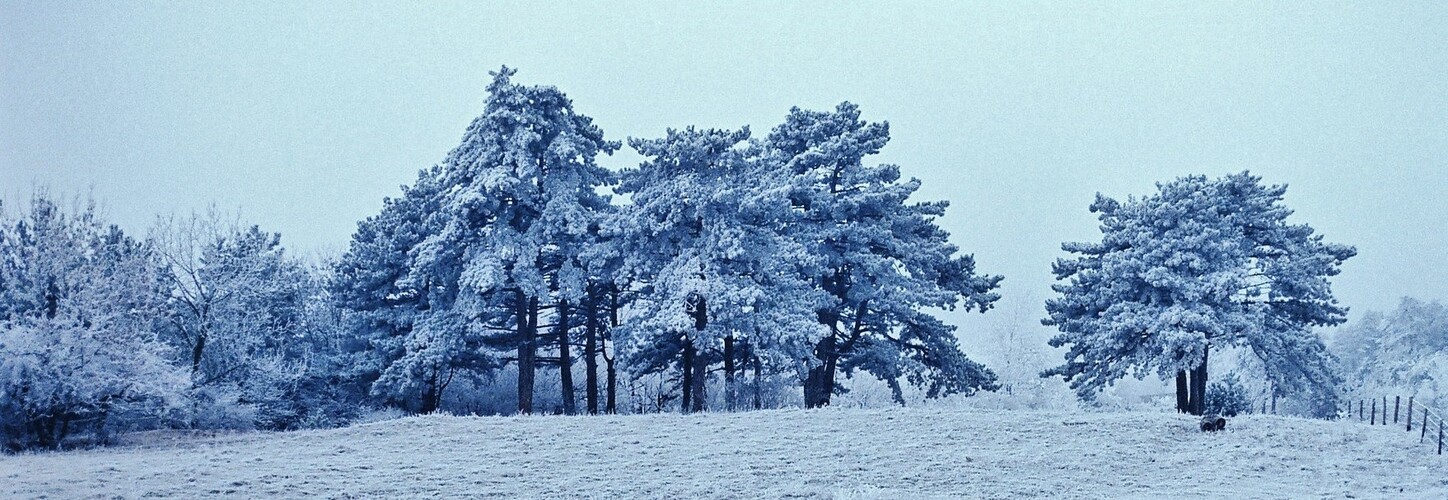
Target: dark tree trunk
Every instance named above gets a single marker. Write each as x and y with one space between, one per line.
1199 385
730 389
429 396
1183 399
758 383
699 307
896 393
590 353
686 376
610 405
819 384
701 375
565 361
527 351
196 351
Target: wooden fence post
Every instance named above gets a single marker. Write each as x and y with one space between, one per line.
1424 433
1410 414
1397 400
1385 410
1440 436
1373 420
1360 409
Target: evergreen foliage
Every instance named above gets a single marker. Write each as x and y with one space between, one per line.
881 261
1227 397
1201 263
709 243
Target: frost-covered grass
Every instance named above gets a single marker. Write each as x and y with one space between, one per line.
839 453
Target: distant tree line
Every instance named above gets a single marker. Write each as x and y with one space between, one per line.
729 272
1403 352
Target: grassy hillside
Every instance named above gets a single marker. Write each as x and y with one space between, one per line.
839 453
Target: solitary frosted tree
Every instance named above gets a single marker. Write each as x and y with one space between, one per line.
1202 263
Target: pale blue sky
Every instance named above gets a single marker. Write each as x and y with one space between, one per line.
303 115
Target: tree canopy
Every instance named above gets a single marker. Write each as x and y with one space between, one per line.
1201 263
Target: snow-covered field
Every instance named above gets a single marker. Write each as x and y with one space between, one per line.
832 453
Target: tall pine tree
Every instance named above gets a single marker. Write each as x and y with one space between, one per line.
706 236
517 208
409 357
883 261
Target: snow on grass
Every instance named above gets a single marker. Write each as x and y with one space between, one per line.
832 453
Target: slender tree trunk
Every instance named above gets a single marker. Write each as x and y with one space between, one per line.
429 395
730 390
758 383
565 361
590 352
686 376
610 406
196 351
819 384
896 393
700 310
527 351
1183 399
701 376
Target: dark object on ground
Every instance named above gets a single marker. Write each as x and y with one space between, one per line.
1213 423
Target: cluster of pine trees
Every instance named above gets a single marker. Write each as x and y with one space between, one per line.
731 265
733 256
729 269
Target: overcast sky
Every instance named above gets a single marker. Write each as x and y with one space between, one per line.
304 115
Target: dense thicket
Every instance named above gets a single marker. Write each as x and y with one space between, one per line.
80 302
203 324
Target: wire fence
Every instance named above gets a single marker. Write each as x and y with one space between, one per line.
1422 419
